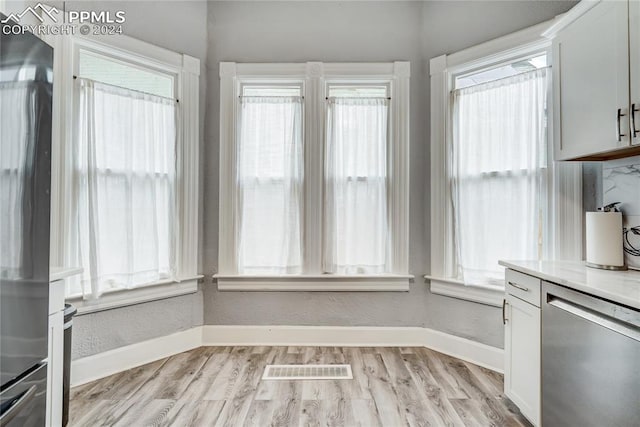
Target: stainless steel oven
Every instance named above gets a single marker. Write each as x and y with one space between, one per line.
590 360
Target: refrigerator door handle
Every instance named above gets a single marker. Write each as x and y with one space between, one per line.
17 405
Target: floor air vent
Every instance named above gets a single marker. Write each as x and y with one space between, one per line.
307 372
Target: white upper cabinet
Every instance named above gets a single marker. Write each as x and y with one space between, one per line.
593 81
634 76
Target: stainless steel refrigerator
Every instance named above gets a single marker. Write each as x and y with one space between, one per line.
26 77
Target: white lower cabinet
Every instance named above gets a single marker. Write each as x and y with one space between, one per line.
522 356
55 356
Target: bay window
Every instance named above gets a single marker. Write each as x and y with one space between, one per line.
313 172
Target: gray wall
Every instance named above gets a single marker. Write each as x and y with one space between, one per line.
180 26
105 330
355 31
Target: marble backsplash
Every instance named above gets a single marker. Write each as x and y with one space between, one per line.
621 183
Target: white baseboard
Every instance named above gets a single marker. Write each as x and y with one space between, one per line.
353 336
110 362
468 350
356 336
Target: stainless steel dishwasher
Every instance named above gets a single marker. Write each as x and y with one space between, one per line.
590 360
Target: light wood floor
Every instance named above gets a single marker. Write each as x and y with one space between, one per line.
212 386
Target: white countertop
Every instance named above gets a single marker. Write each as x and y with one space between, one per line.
59 273
619 286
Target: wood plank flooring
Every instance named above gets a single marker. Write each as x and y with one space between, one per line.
222 386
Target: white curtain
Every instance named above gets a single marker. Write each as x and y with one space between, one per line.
269 185
498 174
125 182
15 116
356 234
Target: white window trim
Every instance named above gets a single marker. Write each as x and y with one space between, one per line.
565 183
314 75
186 70
125 297
308 282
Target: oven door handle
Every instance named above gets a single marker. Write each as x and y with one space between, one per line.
594 317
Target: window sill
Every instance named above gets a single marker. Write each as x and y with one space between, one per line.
125 297
456 289
315 283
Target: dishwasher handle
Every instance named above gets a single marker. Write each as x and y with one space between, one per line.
593 316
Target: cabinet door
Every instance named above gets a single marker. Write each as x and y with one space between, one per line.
634 67
522 357
591 78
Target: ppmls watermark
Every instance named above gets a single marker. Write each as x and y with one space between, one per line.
52 22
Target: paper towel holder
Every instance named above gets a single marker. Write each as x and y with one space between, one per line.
611 207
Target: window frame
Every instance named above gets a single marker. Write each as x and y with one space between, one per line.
315 77
564 185
185 71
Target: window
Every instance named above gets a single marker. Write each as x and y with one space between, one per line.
127 171
499 173
307 198
270 174
495 192
356 232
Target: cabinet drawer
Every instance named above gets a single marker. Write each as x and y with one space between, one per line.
523 286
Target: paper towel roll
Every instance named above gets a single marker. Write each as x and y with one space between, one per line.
604 239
